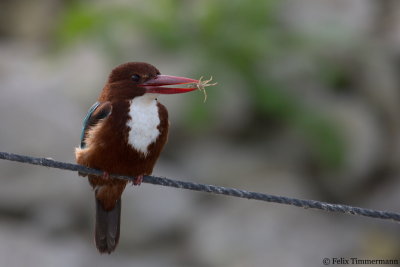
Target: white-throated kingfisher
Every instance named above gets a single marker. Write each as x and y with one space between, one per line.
124 133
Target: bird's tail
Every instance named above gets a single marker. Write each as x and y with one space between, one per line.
107 227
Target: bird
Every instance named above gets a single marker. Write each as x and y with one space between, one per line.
124 133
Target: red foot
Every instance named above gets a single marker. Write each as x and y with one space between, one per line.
137 180
106 176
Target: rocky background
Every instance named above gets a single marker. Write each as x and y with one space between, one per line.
307 105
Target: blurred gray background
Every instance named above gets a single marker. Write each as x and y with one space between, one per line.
307 106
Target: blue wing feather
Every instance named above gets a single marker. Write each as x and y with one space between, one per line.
86 123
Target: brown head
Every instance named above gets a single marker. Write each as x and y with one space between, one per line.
133 79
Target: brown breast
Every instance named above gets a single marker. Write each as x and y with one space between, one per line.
108 148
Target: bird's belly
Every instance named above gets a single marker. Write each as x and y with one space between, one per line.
143 123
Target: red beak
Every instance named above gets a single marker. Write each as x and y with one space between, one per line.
157 84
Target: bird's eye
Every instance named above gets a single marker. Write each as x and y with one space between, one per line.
135 78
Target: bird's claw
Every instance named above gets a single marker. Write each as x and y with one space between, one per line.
106 176
82 174
137 180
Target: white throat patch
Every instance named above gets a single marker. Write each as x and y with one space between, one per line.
143 123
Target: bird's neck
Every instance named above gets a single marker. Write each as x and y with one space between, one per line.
145 100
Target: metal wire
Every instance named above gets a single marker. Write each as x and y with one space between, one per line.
307 204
